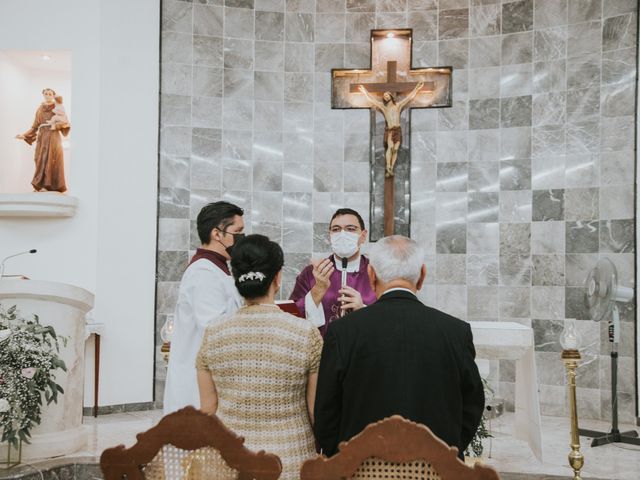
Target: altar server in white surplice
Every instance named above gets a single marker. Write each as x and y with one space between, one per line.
207 294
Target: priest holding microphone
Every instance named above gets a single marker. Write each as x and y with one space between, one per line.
330 288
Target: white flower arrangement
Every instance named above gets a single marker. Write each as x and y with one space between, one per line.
28 360
252 276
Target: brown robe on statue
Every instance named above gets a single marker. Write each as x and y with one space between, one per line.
49 157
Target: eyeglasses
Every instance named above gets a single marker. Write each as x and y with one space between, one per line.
346 228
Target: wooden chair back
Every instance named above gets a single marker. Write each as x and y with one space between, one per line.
188 445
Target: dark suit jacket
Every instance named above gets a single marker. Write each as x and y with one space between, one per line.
398 356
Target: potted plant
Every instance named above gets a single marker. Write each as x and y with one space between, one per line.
473 453
29 358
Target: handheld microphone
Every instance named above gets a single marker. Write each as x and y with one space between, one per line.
343 282
33 250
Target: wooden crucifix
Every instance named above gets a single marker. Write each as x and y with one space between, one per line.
390 86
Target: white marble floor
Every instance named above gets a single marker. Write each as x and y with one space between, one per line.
618 462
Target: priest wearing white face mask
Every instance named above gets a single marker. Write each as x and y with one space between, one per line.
318 291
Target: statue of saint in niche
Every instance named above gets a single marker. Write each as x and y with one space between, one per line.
49 125
391 111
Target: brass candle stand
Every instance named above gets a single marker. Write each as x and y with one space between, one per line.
571 358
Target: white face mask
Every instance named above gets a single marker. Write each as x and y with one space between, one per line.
344 244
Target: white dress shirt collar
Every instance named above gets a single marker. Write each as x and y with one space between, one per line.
352 266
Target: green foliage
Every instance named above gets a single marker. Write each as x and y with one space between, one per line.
476 447
28 361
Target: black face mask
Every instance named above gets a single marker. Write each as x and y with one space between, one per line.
236 238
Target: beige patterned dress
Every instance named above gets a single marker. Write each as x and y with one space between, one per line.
260 359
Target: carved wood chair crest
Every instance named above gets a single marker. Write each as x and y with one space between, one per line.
395 448
188 445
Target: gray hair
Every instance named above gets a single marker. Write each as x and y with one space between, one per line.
397 258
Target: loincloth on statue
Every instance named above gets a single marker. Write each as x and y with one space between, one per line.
396 135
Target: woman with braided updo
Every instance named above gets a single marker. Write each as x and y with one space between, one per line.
257 369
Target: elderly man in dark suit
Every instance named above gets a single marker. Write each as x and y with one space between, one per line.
398 356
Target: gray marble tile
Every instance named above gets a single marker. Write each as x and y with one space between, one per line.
484 52
328 56
515 206
322 88
207 82
361 6
515 143
356 177
269 26
175 141
174 172
581 204
454 53
237 114
451 238
515 111
548 302
451 207
583 104
484 82
547 334
484 177
206 143
617 236
584 38
304 6
176 47
356 55
423 120
171 265
583 72
618 66
484 20
583 137
584 10
268 86
328 176
177 16
391 5
240 4
453 23
517 48
423 207
548 270
449 4
321 237
484 114
550 76
176 110
269 5
451 269
483 207
547 173
206 112
390 19
423 176
424 25
549 13
582 170
173 203
173 234
268 147
548 237
617 133
328 146
358 26
619 32
517 16
516 80
206 173
618 99
482 270
208 51
267 207
239 23
548 108
482 302
299 57
515 239
236 174
330 27
298 117
297 87
617 7
451 177
452 299
451 146
237 144
548 141
208 20
575 306
238 53
548 205
176 79
454 117
299 27
582 237
578 266
329 6
298 147
515 302
616 168
297 233
297 177
550 44
267 176
553 400
483 238
515 175
269 56
616 202
515 270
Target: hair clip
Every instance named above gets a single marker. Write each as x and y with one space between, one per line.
251 276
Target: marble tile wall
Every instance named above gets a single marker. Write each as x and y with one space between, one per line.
517 189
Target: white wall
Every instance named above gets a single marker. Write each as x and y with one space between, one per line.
108 247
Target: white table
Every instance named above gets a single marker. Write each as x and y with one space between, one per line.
513 341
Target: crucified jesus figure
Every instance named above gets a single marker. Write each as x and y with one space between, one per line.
391 111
